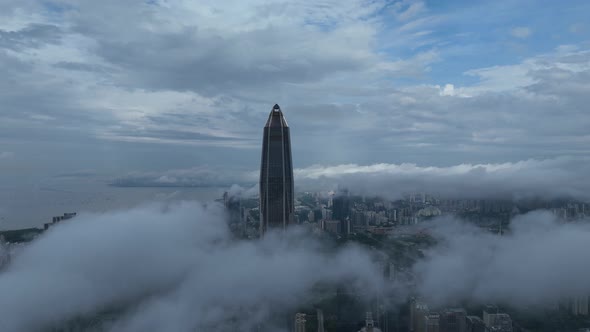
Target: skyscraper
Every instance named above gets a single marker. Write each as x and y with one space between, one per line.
276 174
341 210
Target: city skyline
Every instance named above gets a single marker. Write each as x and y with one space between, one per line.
434 175
388 97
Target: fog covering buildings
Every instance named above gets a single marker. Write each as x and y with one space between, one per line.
276 174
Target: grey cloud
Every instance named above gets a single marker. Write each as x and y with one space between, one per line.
212 65
176 135
540 262
173 268
80 66
25 90
113 82
82 173
218 59
550 178
477 124
32 36
553 178
6 155
194 177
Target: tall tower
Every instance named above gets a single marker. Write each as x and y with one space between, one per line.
276 174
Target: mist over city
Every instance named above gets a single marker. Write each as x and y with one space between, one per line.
294 166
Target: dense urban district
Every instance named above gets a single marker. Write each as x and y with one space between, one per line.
399 234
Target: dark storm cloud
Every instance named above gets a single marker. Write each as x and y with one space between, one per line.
175 268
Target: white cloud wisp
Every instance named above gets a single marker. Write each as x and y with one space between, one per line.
173 268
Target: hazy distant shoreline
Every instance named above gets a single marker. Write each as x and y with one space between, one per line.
33 205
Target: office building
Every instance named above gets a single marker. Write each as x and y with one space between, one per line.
453 320
276 174
431 323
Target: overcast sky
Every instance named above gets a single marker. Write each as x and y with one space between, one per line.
110 87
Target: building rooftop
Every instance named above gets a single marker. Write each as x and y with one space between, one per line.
276 119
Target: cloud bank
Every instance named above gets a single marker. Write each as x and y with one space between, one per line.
192 177
174 268
553 178
539 262
549 178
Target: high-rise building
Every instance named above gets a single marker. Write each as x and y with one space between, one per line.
453 320
418 311
370 324
496 321
300 322
341 205
320 316
579 305
475 324
431 322
331 226
276 174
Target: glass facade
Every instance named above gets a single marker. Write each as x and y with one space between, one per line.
276 174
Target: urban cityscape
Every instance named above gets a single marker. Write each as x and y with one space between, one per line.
397 233
294 166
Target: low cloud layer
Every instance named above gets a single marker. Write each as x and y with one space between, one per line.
540 262
551 178
192 177
174 268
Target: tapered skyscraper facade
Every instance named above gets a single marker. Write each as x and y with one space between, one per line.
276 174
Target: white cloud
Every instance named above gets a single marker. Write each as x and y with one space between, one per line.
170 268
521 32
537 263
406 10
550 178
554 178
205 75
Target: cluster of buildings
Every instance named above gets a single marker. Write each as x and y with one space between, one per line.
341 213
577 306
422 319
12 241
572 211
57 219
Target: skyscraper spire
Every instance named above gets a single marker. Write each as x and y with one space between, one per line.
276 174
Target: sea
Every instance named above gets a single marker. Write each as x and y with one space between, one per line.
33 203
